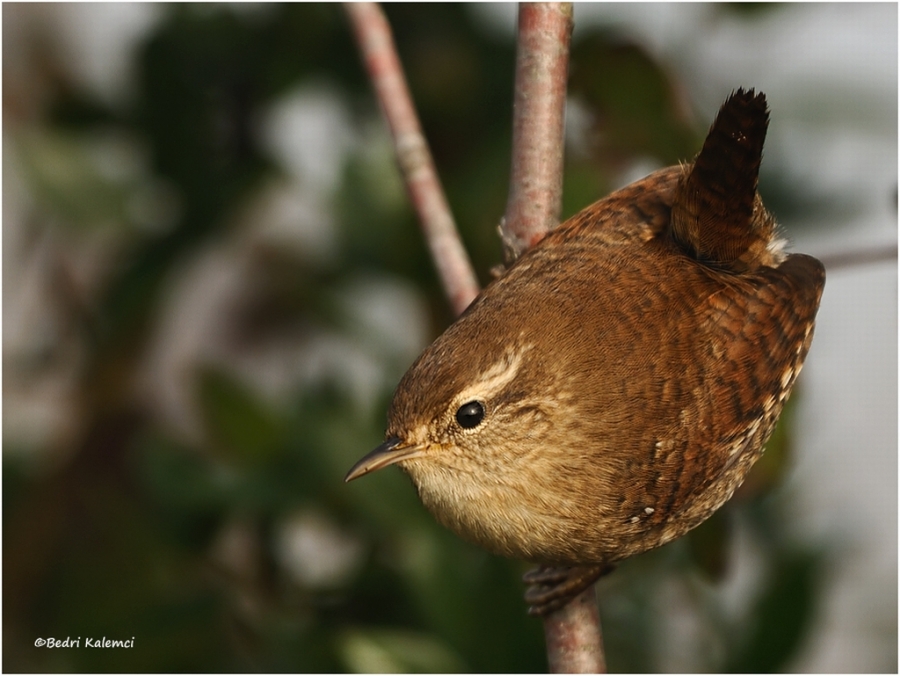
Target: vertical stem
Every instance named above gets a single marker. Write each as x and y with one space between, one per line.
574 642
535 196
373 34
539 107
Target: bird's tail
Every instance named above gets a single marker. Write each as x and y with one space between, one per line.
717 214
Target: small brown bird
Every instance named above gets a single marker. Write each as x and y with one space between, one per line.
613 388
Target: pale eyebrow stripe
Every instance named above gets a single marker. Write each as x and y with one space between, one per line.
496 377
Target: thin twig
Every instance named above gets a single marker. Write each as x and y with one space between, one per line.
854 258
373 34
535 187
573 632
574 641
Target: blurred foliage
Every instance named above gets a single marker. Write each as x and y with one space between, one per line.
183 541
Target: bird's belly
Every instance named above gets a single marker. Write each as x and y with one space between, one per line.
534 526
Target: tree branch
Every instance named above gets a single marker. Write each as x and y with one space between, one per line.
534 205
373 35
857 257
539 107
574 642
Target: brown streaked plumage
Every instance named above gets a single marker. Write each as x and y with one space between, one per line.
614 387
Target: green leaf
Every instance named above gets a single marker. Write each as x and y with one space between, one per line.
709 544
238 422
66 173
387 651
781 617
633 101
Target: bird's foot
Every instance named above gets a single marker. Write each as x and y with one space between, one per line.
552 587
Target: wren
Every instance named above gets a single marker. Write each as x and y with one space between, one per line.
614 387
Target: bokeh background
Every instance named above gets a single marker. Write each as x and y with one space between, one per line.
212 281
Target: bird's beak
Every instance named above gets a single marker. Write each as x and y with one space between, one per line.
391 451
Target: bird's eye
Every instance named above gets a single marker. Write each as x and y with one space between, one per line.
470 415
